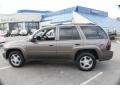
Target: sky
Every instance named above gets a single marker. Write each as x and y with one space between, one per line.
11 6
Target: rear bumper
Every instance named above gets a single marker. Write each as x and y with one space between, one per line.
106 55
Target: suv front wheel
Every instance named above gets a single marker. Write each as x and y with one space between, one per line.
16 59
86 61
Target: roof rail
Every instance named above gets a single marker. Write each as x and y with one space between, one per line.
50 25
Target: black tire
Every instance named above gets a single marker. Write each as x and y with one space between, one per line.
81 56
21 58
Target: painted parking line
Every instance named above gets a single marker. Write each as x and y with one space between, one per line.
92 78
118 42
5 67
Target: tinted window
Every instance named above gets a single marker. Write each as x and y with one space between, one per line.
69 33
94 32
76 34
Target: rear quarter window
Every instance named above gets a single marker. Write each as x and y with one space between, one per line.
94 32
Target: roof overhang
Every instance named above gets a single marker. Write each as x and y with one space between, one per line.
19 18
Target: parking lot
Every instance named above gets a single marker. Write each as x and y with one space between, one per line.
106 72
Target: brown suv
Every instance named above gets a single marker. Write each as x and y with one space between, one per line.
83 44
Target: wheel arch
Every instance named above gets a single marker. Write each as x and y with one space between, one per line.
93 51
13 49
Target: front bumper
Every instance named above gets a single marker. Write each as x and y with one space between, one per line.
1 44
4 54
106 55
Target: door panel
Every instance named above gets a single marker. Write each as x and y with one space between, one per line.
64 49
69 39
44 46
42 50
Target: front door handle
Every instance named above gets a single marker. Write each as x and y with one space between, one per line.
51 45
77 44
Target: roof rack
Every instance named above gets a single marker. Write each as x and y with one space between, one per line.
62 24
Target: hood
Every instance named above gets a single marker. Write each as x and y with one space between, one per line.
15 44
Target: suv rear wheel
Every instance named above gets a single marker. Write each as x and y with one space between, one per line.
16 59
86 61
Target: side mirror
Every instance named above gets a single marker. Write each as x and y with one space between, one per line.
32 39
38 38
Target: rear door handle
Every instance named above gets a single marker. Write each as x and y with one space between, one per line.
51 45
77 44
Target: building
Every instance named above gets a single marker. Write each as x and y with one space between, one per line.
30 20
83 15
23 20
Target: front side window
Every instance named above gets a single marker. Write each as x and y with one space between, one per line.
69 33
94 32
45 34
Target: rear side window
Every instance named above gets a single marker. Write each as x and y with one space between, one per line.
94 32
69 33
76 35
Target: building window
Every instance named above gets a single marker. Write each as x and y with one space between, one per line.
31 26
15 28
3 26
20 26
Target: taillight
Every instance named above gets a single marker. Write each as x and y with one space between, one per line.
108 47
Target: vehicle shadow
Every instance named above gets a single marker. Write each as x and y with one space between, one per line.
53 64
101 66
118 83
1 82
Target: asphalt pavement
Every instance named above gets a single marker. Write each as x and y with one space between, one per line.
64 73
